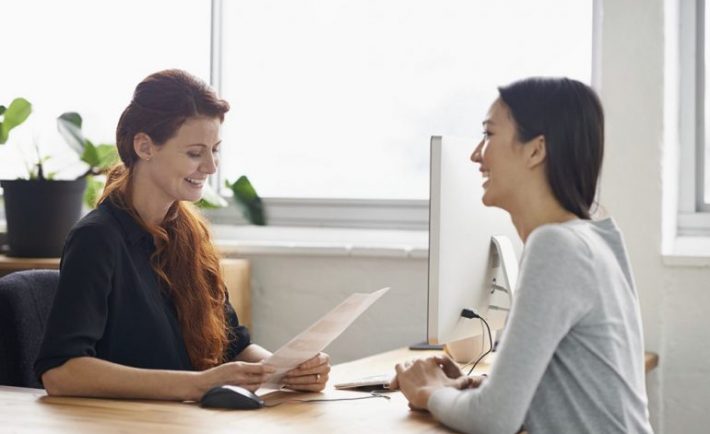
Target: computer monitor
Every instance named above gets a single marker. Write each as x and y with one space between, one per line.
473 249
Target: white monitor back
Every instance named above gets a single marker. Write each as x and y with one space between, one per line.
460 231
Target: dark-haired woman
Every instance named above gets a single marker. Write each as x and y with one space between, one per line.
571 357
141 310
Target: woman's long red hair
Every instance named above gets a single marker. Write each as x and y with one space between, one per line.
185 259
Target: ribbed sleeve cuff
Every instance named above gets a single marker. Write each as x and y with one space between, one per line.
441 402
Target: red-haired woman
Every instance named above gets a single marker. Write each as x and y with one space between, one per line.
141 310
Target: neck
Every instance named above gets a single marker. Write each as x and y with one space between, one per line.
151 212
147 201
537 210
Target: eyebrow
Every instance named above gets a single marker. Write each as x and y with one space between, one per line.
203 145
488 121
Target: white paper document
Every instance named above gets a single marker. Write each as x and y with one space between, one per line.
316 337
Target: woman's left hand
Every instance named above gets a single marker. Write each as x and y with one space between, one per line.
418 379
309 376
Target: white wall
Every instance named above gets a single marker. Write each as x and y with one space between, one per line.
289 292
642 141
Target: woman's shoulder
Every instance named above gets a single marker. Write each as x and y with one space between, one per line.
583 238
97 224
559 236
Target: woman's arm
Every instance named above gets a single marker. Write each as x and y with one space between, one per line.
253 354
551 297
92 377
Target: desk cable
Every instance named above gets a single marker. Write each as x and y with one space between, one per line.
470 314
373 394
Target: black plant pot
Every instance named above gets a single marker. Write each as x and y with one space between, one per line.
39 215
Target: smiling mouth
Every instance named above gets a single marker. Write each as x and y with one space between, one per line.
196 182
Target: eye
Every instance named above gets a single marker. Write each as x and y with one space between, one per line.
194 154
486 134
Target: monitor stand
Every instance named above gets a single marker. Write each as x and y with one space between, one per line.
503 285
426 346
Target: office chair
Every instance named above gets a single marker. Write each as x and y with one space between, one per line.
25 301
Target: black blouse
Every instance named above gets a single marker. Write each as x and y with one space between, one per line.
109 303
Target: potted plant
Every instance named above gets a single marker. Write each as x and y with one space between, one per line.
41 210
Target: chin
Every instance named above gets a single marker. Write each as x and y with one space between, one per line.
191 196
487 200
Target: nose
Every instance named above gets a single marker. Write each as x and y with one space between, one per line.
209 163
476 155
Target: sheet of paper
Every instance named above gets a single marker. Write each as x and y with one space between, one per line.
316 337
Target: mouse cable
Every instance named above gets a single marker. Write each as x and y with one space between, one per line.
371 395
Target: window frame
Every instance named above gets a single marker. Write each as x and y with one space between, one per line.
693 212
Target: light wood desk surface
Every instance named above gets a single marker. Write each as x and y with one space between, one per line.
31 411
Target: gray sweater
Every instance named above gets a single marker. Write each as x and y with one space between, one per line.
571 359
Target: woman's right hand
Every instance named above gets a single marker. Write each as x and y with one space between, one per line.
244 374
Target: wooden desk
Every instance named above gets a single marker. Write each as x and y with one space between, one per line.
31 411
236 274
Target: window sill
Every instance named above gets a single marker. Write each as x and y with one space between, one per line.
283 240
234 240
689 251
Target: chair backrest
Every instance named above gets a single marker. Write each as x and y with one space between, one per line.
25 301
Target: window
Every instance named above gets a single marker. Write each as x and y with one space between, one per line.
333 103
338 99
703 148
694 173
87 56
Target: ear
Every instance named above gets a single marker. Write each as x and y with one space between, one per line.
143 146
536 150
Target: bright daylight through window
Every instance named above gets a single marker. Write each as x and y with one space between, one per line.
338 99
87 56
333 99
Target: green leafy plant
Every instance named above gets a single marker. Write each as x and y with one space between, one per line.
248 200
245 197
100 158
12 116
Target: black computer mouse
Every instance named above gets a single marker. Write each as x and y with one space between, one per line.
232 397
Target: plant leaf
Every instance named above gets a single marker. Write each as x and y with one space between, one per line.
2 109
107 156
16 113
211 199
69 126
73 118
248 200
90 155
94 188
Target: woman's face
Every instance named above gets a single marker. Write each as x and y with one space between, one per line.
180 167
500 156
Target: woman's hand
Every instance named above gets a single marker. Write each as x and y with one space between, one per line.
418 379
309 376
244 374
